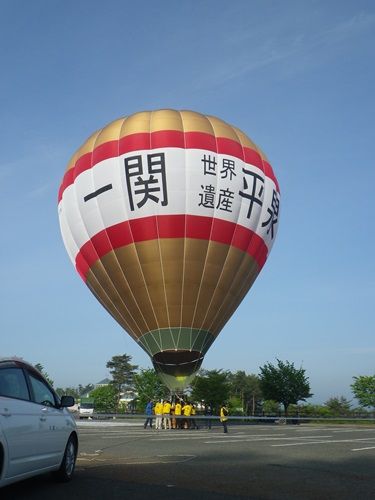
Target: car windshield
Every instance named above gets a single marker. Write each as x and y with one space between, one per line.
87 406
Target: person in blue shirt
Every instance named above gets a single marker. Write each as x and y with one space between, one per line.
149 411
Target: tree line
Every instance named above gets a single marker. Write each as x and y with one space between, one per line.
279 389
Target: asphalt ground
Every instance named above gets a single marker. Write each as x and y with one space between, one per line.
286 462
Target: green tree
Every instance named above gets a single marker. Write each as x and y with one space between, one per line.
284 383
247 388
271 407
41 369
211 386
122 372
68 391
338 406
85 389
106 399
148 386
311 410
363 389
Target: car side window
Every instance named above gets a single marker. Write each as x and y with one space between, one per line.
13 383
42 393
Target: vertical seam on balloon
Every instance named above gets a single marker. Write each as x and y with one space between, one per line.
162 275
251 274
269 247
226 257
156 220
229 304
208 248
207 330
62 215
240 296
184 239
145 341
176 343
237 298
96 201
99 260
84 225
73 187
160 344
118 160
126 217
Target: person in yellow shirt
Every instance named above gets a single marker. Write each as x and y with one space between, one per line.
186 411
167 415
224 417
177 413
159 414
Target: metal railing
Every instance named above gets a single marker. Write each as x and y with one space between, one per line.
274 419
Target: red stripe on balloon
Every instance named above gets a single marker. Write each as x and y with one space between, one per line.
169 226
165 139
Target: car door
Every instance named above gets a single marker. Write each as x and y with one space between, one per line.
53 427
20 421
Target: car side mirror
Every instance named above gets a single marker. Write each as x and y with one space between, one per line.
66 401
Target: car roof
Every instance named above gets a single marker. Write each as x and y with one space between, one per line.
19 362
14 360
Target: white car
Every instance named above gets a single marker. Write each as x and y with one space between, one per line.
37 432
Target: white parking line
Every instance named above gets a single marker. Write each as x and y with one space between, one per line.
267 438
223 441
180 438
222 437
158 459
324 442
354 430
367 448
301 444
112 434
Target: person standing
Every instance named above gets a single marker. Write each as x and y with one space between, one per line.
186 410
159 415
149 413
193 423
208 413
177 413
167 414
173 418
224 417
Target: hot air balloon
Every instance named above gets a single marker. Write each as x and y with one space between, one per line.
169 216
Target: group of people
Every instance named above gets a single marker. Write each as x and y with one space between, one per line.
180 414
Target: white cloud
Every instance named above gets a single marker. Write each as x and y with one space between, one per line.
40 191
299 48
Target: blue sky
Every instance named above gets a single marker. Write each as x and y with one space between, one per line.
296 76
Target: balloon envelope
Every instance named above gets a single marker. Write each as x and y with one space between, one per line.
169 216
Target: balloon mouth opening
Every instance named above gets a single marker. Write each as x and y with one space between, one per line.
178 363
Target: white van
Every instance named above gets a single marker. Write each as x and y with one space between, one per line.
86 408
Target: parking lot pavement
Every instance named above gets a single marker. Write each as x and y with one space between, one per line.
279 462
349 438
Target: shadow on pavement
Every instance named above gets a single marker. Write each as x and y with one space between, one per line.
210 478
